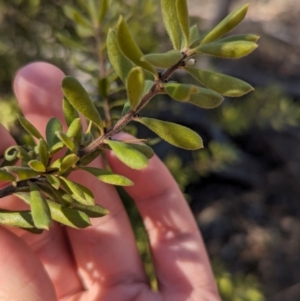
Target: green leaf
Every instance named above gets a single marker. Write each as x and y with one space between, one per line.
183 18
108 177
163 60
68 162
206 99
79 192
129 47
76 16
22 219
241 37
16 152
135 86
223 84
103 87
39 208
30 128
68 216
74 128
37 166
6 176
53 126
170 19
90 157
128 155
56 148
66 141
194 34
229 50
43 151
69 112
93 9
91 211
126 107
121 64
102 10
174 134
70 42
181 92
22 173
231 21
146 150
53 181
80 100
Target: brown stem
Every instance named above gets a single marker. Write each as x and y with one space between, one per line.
121 123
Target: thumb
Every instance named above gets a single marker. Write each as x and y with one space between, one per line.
22 275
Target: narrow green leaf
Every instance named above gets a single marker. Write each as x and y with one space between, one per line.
66 141
181 92
135 86
39 208
128 155
76 16
30 128
194 34
103 87
78 192
108 177
171 21
6 176
230 50
53 181
93 9
24 196
241 37
56 148
126 107
37 166
231 21
121 64
91 211
68 162
90 157
163 60
53 126
183 18
68 216
69 112
22 173
43 152
146 150
129 47
174 134
102 10
74 128
70 42
223 84
16 152
80 100
22 219
206 99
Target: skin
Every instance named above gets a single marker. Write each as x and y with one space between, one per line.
102 262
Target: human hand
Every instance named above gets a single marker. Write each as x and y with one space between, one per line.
101 262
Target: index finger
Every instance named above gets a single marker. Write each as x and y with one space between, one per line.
179 254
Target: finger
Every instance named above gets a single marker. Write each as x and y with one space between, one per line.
22 275
106 253
38 89
180 258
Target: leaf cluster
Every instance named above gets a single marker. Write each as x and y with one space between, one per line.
41 178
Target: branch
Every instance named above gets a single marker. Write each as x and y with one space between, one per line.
117 127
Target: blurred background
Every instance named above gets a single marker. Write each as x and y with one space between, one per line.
244 186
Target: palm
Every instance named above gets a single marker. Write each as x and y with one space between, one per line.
102 262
